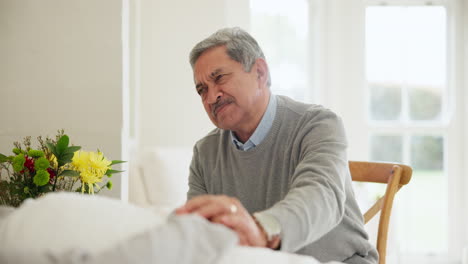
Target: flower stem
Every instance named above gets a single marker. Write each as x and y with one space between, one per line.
55 180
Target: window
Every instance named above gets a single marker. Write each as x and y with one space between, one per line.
408 116
281 28
391 69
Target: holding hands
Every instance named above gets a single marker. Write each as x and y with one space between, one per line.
229 212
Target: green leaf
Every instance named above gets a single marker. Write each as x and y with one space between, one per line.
72 149
109 172
60 163
62 144
67 157
70 173
52 148
3 158
45 188
64 158
117 162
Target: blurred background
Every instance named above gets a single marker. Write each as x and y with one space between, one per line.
115 75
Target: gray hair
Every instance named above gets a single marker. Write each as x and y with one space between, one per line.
240 45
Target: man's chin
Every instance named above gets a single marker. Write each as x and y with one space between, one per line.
224 121
222 125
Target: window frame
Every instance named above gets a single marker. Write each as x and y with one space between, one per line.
448 127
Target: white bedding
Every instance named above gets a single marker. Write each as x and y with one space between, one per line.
70 228
240 255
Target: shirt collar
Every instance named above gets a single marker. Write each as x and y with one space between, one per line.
262 129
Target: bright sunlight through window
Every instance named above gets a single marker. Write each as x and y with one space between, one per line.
406 80
281 28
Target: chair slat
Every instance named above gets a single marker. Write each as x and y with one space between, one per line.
395 176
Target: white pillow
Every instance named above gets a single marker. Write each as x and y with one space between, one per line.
159 177
58 222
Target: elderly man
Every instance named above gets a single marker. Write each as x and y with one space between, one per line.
274 170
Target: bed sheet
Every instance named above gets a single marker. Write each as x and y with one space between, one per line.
240 255
43 232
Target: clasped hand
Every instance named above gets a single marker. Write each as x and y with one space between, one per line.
230 212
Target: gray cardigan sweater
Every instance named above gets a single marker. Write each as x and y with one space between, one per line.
298 174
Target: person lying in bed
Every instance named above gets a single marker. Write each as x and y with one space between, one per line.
274 170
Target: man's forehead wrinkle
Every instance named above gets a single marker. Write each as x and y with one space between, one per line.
212 75
198 79
199 83
215 72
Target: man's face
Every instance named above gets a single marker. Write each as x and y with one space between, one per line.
231 97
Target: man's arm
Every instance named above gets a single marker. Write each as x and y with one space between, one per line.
315 203
196 181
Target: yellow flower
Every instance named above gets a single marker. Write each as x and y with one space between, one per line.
53 160
92 166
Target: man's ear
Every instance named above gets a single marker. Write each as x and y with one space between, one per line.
262 71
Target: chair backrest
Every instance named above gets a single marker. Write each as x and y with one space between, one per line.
395 176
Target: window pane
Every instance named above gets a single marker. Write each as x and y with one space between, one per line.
281 28
383 62
409 55
385 101
422 214
386 148
425 46
427 152
425 103
384 44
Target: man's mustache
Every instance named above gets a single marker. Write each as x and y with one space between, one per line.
219 103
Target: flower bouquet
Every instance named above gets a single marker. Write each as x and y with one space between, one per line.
53 166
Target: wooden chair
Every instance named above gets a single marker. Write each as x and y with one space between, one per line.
392 174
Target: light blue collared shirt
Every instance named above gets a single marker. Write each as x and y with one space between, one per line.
262 129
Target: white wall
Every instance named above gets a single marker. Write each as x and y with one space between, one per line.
61 67
169 111
337 75
464 95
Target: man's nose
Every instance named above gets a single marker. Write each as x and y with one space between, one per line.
214 95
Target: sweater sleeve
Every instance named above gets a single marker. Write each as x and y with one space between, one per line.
315 202
196 181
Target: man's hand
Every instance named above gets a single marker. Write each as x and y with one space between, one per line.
229 212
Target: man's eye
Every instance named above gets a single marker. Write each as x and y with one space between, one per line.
219 77
201 90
